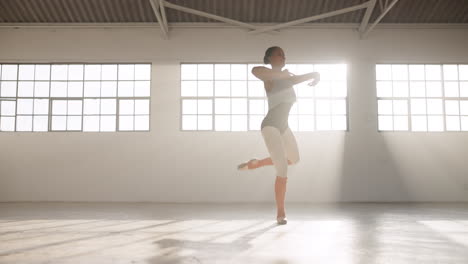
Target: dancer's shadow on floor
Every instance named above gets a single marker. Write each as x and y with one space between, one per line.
203 251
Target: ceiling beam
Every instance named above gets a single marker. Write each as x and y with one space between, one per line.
365 33
155 5
208 15
367 15
163 14
312 18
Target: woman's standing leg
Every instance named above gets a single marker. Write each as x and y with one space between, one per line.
274 142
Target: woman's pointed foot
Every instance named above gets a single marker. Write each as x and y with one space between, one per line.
249 165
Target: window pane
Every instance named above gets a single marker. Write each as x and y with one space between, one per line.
418 106
91 106
400 89
205 88
256 89
59 123
109 89
339 107
143 72
108 106
25 89
384 107
108 123
189 71
75 107
205 122
305 106
74 123
41 89
384 89
223 106
142 88
205 72
42 72
239 106
189 107
189 88
9 72
59 107
126 123
416 72
25 107
189 122
239 123
435 123
323 107
24 123
451 107
323 122
433 89
92 89
75 89
126 89
7 123
58 89
452 123
450 72
8 89
142 107
93 72
451 89
339 122
433 72
60 72
205 107
222 72
238 72
127 107
26 72
419 123
7 108
40 123
41 106
399 72
142 122
91 123
400 123
306 123
418 89
75 72
400 107
126 72
222 122
383 72
109 72
239 88
434 106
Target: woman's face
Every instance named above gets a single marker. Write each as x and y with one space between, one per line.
277 58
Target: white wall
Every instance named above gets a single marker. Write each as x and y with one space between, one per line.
167 164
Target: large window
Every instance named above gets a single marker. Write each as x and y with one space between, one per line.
227 97
74 97
422 97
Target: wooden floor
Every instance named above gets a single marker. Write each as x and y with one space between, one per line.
233 233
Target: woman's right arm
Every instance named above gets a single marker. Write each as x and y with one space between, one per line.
266 74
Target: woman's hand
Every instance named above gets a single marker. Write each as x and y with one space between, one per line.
316 80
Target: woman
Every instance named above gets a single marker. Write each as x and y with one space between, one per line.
278 137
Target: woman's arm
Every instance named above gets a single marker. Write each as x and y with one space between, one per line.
266 74
305 77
